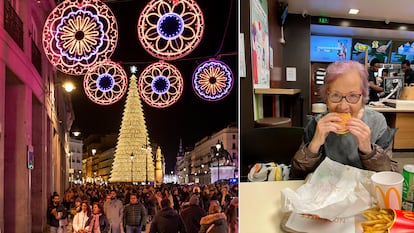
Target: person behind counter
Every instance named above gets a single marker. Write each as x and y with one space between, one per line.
367 142
408 72
374 88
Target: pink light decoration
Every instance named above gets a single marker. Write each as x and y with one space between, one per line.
170 29
105 83
212 80
78 33
160 85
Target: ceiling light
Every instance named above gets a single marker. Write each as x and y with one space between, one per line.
403 27
353 11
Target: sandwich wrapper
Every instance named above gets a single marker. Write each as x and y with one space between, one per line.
334 194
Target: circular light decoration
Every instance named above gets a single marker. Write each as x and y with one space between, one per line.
212 80
170 29
105 83
160 85
78 33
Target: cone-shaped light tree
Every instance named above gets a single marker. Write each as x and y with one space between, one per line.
133 155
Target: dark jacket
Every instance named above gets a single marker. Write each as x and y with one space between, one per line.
104 225
135 215
167 221
217 221
51 218
191 217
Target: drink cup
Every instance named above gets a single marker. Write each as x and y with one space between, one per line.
387 187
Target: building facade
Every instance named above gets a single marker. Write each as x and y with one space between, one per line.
200 166
75 161
35 119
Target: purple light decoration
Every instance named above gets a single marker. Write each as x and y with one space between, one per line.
68 38
212 80
170 29
105 83
170 26
79 33
160 85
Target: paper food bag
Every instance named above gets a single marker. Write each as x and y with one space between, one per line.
334 191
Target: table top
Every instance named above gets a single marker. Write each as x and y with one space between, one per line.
388 109
277 91
259 204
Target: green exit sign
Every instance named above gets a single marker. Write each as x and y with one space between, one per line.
323 20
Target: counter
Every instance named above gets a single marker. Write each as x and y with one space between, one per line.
259 205
403 119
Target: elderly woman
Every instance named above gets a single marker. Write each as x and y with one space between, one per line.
361 140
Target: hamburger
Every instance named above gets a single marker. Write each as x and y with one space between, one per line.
345 117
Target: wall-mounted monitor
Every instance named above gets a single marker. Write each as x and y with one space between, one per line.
330 49
379 49
393 86
402 50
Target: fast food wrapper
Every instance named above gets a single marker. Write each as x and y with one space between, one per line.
333 191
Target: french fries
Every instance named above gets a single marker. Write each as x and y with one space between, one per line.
378 220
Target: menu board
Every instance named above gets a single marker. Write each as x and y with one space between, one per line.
330 49
260 44
402 50
379 49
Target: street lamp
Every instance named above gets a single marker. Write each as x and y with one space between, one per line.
132 167
218 151
145 148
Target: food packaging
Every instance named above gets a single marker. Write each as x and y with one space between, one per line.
400 221
334 191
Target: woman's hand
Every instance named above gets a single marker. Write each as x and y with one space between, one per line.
361 131
325 125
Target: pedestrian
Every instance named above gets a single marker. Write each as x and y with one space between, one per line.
114 210
167 220
232 215
98 223
215 221
81 218
192 215
76 207
135 215
57 215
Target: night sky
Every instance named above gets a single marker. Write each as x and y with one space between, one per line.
190 118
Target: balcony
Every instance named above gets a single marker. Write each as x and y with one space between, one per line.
13 24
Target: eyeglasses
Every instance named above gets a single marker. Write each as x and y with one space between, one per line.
350 98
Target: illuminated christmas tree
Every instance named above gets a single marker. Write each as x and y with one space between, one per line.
133 155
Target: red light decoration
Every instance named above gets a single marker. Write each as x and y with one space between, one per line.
105 83
78 33
160 85
212 80
170 29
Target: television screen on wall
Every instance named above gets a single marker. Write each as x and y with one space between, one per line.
330 49
402 50
373 48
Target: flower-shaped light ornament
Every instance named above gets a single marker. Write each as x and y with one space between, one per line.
160 85
78 33
170 29
105 83
212 80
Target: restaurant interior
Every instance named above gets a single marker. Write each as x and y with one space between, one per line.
274 110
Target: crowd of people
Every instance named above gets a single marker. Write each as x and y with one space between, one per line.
126 208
